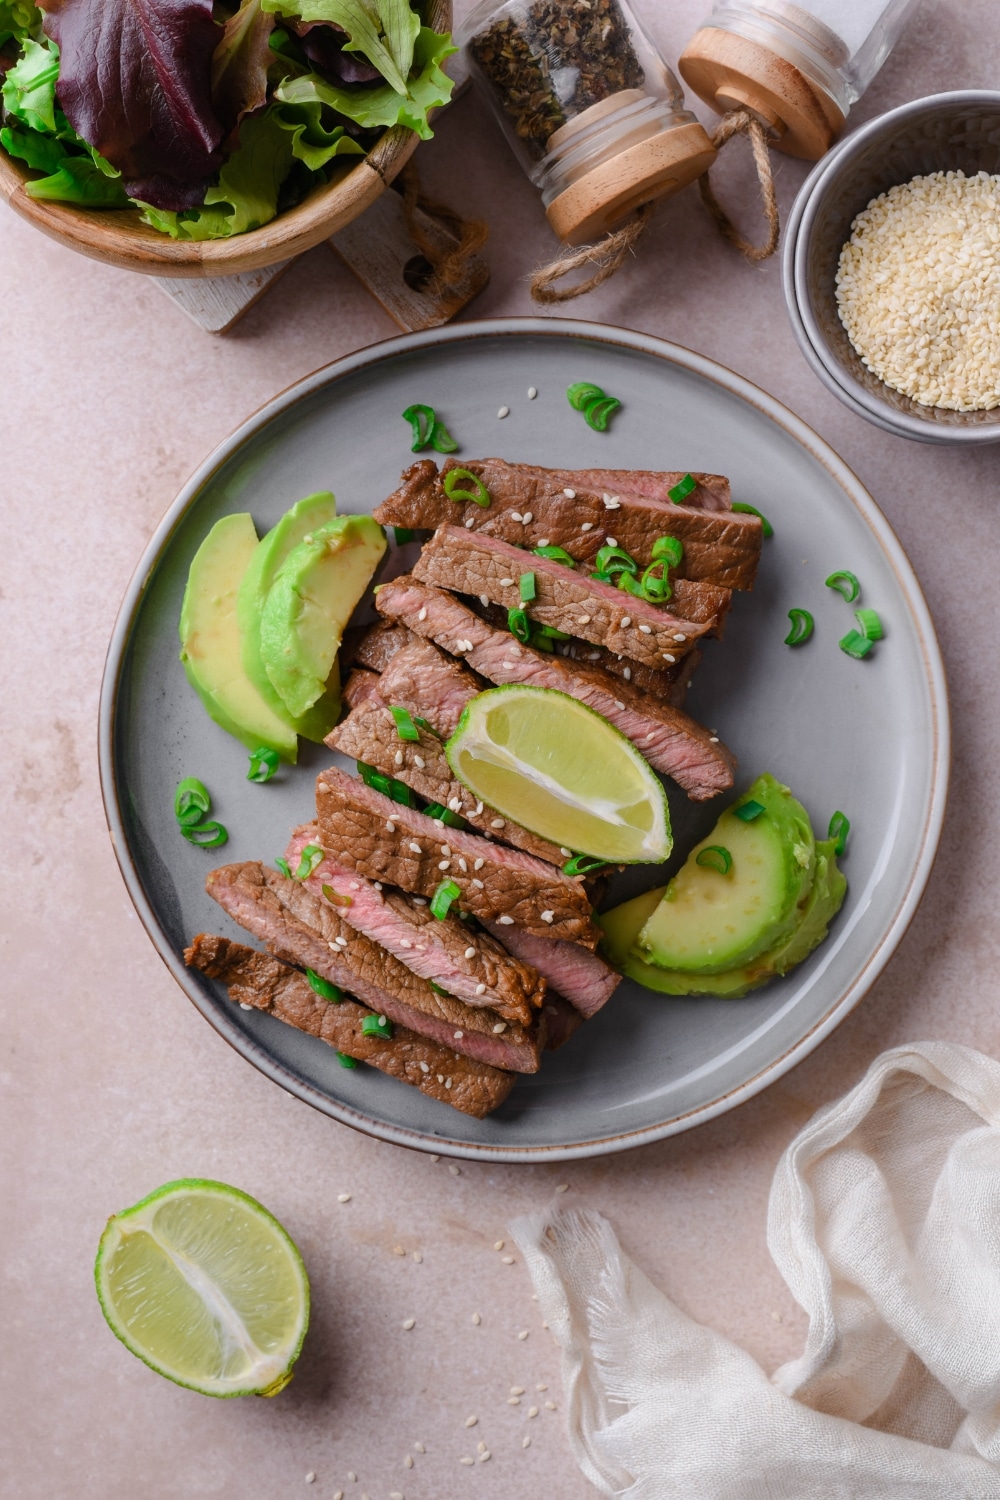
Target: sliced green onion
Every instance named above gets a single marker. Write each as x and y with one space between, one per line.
437 988
527 587
715 857
426 724
682 489
324 988
191 800
444 815
747 811
598 412
855 644
205 835
655 585
846 585
583 391
558 554
668 549
282 864
312 855
630 585
870 624
263 764
802 627
377 1026
583 864
400 792
405 727
346 1061
421 419
602 577
387 785
403 534
543 643
518 624
446 893
335 898
551 633
613 560
441 439
751 510
478 491
840 827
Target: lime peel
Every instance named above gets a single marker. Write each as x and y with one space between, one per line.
203 1284
556 767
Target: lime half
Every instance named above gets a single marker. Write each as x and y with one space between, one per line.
205 1286
559 769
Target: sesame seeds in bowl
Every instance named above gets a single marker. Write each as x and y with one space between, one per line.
891 269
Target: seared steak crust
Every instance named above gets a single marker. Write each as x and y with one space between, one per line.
360 687
581 977
471 563
301 929
669 739
264 982
378 645
472 966
427 682
383 840
720 547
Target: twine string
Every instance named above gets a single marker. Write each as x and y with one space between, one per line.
448 265
606 256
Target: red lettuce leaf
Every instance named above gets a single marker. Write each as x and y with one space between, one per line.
323 44
240 63
135 83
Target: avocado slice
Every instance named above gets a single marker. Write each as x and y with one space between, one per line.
622 924
310 602
305 517
709 922
210 640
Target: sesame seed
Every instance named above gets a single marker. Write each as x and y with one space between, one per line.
343 1197
405 943
440 1077
398 1250
523 1334
567 852
513 1400
515 515
470 523
563 1187
550 1406
526 1442
245 1006
508 1260
468 1461
570 494
505 920
310 1477
517 1390
611 502
480 989
619 703
410 1323
421 764
496 822
476 1319
341 942
418 1257
527 518
462 865
587 526
532 1411
584 620
503 412
713 739
679 637
593 656
408 1462
390 826
627 674
446 850
455 803
455 1170
479 808
668 657
626 621
470 952
471 1421
646 629
485 1456
423 613
506 583
377 883
338 1495
499 1245
419 1448
500 1026
532 393
443 864
447 1083
547 916
543 541
612 541
414 847
434 1157
458 1035
478 884
395 1495
424 1068
398 757
352 1476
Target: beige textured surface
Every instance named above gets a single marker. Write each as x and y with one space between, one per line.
112 1083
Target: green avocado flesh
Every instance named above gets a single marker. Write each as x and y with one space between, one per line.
709 922
309 603
819 903
210 640
305 517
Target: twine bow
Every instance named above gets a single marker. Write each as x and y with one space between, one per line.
447 267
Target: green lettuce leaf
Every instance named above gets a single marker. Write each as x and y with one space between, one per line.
43 153
246 194
18 19
382 105
29 88
384 31
79 179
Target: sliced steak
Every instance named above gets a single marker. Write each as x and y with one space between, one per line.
562 1021
669 739
260 980
669 686
470 563
379 645
580 512
472 966
360 687
429 683
712 493
385 841
369 734
302 929
581 977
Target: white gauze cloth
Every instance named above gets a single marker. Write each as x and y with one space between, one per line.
884 1221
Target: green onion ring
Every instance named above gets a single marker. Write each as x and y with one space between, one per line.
751 510
840 827
336 898
263 764
216 834
598 412
557 554
312 855
441 439
519 625
715 857
583 391
405 727
870 625
655 585
583 864
282 864
377 1026
855 644
802 627
747 811
402 535
346 1061
846 585
611 560
324 988
446 893
528 587
191 800
421 419
479 494
668 549
682 489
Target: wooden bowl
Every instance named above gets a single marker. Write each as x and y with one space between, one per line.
117 237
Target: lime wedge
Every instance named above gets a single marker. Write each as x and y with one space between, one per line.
205 1286
557 768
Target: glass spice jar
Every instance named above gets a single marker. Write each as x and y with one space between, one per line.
799 68
592 111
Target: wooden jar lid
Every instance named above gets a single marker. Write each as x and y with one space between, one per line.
652 168
730 72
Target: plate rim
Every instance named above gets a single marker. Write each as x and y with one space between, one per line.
734 384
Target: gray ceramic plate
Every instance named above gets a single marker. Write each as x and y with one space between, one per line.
869 737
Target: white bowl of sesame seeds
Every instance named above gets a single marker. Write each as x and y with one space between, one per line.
891 269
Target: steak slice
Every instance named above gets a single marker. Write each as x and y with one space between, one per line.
562 1020
367 832
379 645
581 977
669 739
260 980
472 966
360 687
582 510
470 563
429 683
669 686
369 734
301 929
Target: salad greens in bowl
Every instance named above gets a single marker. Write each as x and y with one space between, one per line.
192 137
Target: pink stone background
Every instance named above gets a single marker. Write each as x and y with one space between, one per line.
110 1081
